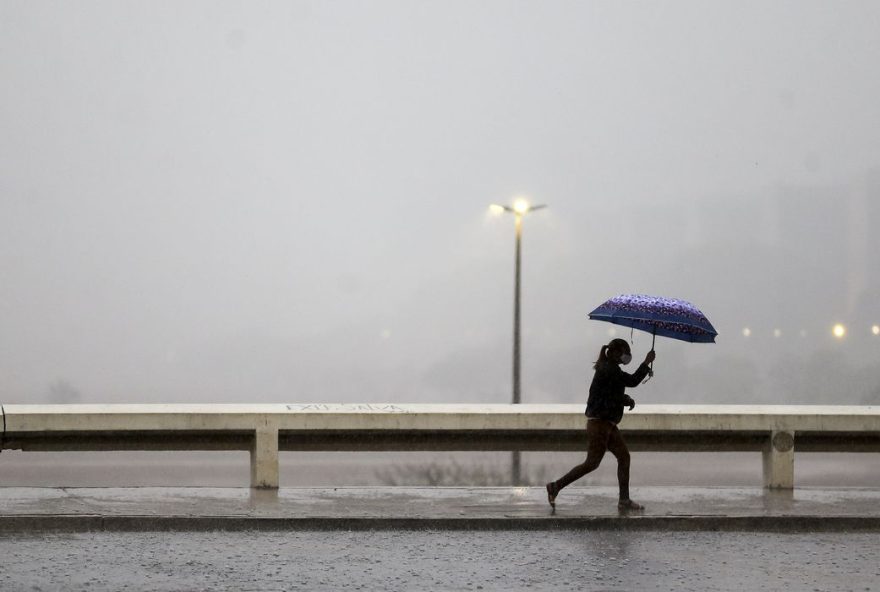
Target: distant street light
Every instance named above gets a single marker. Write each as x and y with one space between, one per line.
839 331
875 329
520 208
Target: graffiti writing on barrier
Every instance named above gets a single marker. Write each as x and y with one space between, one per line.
346 407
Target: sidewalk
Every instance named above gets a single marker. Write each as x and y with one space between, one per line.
481 508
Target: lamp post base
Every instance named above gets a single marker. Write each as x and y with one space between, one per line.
515 476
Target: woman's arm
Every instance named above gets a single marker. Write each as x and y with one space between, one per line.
635 379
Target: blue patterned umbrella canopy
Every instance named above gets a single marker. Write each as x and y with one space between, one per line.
666 317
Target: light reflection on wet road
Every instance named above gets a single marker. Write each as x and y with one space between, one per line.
447 560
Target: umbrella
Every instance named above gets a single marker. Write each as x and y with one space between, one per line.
667 317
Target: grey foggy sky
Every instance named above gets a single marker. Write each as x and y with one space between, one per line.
252 201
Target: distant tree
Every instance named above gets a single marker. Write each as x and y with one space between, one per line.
62 392
872 398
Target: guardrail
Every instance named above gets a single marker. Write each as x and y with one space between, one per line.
774 430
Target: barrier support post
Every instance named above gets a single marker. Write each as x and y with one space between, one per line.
264 458
778 456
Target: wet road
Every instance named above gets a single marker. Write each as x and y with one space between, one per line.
428 560
321 469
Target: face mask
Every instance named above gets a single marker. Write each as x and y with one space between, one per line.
626 359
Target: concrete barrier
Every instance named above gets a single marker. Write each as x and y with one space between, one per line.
777 431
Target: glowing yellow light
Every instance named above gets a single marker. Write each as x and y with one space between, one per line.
520 206
496 210
777 333
747 332
875 329
839 331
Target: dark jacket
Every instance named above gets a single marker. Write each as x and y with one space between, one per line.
607 397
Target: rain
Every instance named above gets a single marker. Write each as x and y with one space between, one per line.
309 203
209 203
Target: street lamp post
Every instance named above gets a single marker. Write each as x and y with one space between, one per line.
519 209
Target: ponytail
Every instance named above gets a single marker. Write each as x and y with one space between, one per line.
603 357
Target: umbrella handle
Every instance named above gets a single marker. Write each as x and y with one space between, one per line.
651 365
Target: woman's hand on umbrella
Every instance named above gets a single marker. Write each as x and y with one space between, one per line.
650 357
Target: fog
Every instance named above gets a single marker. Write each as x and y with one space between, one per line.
288 201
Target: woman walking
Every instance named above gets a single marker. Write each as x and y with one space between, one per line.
604 411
